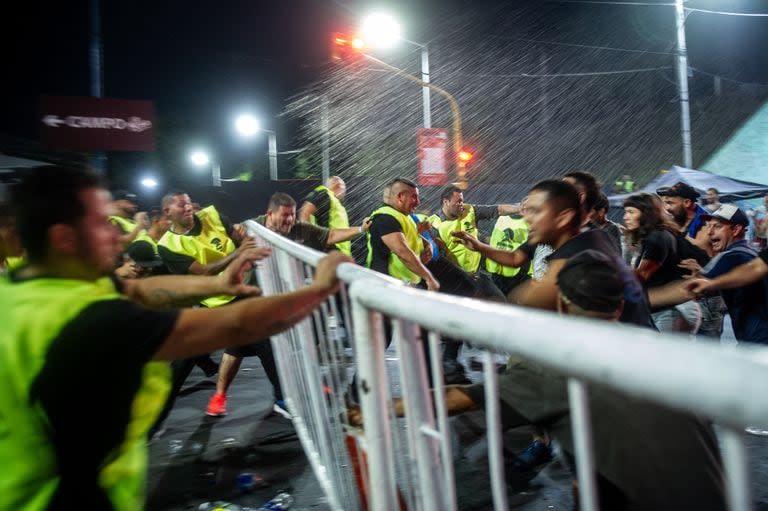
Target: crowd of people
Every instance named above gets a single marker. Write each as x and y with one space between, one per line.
139 299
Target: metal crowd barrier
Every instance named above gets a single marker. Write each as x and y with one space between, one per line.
396 464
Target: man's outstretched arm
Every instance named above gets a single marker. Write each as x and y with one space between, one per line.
168 291
199 331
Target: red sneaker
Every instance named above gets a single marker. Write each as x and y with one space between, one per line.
217 406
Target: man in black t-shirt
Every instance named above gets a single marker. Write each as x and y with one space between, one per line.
281 218
554 212
62 311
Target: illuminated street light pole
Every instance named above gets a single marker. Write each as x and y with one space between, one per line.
201 159
247 125
381 30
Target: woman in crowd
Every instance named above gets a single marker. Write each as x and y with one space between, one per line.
652 250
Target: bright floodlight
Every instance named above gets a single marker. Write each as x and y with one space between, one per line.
200 158
380 30
149 182
247 125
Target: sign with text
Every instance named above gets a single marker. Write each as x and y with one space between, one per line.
432 147
97 124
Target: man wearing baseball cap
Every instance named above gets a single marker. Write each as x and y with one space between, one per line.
126 216
747 304
680 202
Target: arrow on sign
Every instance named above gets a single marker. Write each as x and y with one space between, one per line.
53 120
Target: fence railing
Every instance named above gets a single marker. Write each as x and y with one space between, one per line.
392 464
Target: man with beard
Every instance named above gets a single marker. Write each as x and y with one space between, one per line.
693 243
680 202
280 218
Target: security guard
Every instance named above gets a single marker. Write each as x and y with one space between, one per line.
127 217
508 234
394 244
624 185
68 332
323 207
455 215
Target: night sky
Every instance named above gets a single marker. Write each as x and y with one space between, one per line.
201 62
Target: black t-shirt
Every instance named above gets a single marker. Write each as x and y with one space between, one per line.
381 225
660 246
96 361
321 201
636 309
179 263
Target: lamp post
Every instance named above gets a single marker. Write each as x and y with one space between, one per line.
247 125
201 159
382 31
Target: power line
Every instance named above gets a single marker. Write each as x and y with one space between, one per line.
726 13
608 3
599 47
557 75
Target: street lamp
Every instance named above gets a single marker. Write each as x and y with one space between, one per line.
149 183
201 159
383 31
247 125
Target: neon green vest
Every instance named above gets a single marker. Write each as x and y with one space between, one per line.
125 225
337 218
12 263
395 266
211 245
508 234
469 260
32 313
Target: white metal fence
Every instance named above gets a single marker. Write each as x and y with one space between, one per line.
411 465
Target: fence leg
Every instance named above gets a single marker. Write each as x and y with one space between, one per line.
373 388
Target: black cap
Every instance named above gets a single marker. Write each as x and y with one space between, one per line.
124 195
143 254
591 280
679 189
729 213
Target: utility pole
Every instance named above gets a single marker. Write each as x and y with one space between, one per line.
325 127
682 83
99 158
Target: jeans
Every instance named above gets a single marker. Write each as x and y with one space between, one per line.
683 318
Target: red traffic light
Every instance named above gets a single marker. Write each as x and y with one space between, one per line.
345 47
465 155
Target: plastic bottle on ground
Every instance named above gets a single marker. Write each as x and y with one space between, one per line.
280 502
219 505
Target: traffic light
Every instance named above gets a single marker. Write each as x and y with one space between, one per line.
345 47
465 155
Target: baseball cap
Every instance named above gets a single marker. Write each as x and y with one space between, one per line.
124 195
730 213
143 254
591 280
679 189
